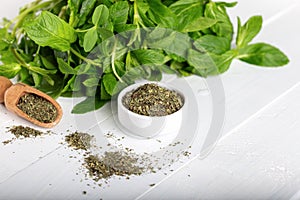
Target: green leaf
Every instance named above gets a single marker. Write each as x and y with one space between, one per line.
103 94
202 62
85 10
223 27
74 6
91 82
167 69
37 79
100 15
49 30
263 54
187 11
47 63
39 70
89 104
213 44
54 90
24 76
90 39
169 41
10 70
248 31
8 57
104 33
199 24
45 73
227 4
162 15
110 83
149 57
156 75
223 61
86 69
64 67
5 39
119 12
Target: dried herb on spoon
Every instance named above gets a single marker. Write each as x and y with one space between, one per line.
38 108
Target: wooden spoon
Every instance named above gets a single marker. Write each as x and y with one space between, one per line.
12 95
5 83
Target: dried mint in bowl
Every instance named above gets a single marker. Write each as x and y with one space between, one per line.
37 107
151 99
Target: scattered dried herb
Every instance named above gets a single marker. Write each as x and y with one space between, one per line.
113 163
153 100
24 131
79 140
7 142
37 107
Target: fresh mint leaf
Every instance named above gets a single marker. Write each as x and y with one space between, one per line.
104 33
47 63
167 69
224 60
54 90
45 73
170 41
187 11
263 54
142 18
202 62
213 44
103 94
74 6
90 40
199 24
110 83
10 70
226 4
49 30
161 14
149 57
91 82
64 67
5 39
85 10
87 105
8 57
223 27
119 12
39 70
248 31
100 15
37 79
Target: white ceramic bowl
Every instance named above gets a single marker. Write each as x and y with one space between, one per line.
149 126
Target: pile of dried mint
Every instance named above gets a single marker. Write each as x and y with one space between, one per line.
24 131
37 107
153 100
112 163
79 140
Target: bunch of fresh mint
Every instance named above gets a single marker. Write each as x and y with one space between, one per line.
87 47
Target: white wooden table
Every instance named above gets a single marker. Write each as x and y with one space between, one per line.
257 157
